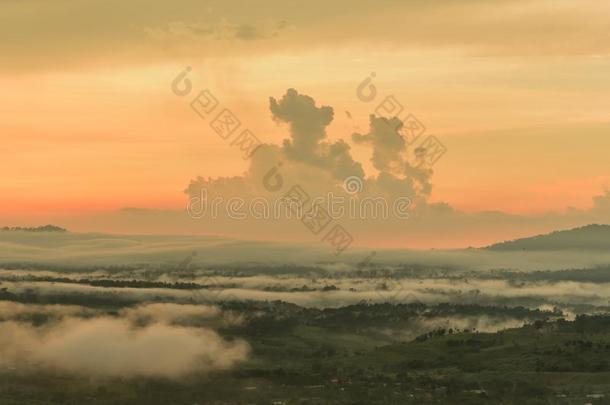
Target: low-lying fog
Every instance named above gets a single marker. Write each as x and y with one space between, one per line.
148 306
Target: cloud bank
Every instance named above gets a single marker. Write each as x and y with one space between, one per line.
156 29
114 347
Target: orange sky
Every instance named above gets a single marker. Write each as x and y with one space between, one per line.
523 114
111 138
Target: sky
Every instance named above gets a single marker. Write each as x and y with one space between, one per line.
94 138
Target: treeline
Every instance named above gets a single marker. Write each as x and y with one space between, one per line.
280 317
108 282
597 274
45 228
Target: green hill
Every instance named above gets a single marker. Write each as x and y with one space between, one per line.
590 237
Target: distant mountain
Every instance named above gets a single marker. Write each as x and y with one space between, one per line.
46 228
590 237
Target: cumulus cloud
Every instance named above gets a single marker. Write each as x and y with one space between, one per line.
309 160
388 144
397 174
320 168
308 124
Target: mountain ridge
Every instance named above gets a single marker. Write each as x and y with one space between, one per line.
588 237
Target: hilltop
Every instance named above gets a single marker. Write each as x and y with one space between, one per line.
45 228
589 237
